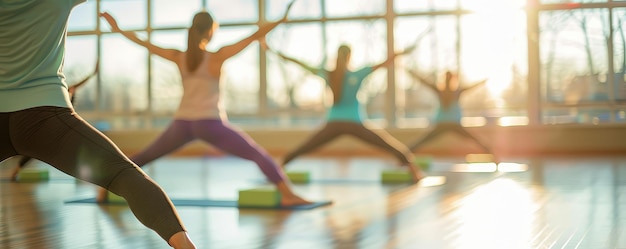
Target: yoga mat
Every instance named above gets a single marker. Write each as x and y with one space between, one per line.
208 203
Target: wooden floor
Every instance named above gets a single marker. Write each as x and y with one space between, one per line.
553 203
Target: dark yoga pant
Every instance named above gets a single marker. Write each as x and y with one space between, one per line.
59 137
334 129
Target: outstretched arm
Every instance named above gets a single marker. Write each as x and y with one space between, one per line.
406 51
428 83
477 84
73 88
168 54
393 57
95 71
309 68
231 50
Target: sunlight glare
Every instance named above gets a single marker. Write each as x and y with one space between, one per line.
473 121
474 167
513 121
496 215
431 181
493 58
512 167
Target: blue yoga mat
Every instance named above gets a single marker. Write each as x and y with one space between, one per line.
209 203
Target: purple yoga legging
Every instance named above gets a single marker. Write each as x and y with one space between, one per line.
216 132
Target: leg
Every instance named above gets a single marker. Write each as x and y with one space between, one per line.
464 133
6 145
20 166
426 138
388 143
229 140
175 135
71 145
330 131
382 140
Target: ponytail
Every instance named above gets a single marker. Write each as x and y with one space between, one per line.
336 77
202 23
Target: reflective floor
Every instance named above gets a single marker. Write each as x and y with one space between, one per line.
528 203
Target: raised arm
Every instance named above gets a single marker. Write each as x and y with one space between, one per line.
309 68
393 57
426 82
477 84
405 51
95 71
73 88
168 54
231 50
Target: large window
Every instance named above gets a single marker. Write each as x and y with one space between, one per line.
578 84
578 77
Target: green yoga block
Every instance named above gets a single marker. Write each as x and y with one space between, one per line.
395 176
299 176
33 175
259 197
113 198
424 163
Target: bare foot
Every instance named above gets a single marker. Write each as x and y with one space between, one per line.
293 200
416 173
180 240
15 173
102 195
288 198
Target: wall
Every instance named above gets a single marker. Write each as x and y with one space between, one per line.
505 141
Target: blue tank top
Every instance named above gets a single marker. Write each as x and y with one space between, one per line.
451 114
348 108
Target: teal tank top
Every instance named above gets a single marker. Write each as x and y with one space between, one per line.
348 108
451 114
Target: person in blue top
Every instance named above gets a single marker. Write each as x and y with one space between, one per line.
449 114
346 114
37 118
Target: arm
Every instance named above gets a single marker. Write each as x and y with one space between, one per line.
73 88
231 50
168 54
393 57
480 83
423 80
311 69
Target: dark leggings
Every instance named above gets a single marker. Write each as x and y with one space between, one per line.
59 137
443 128
334 129
216 132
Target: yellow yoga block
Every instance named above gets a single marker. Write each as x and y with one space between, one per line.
29 174
299 176
259 197
395 176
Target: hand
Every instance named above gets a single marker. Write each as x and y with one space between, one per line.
263 43
97 68
287 11
111 21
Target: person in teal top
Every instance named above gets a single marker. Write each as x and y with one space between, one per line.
37 118
448 116
346 114
349 108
